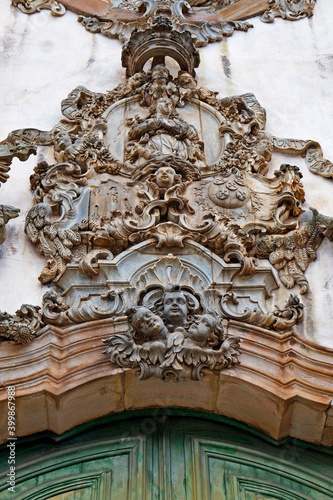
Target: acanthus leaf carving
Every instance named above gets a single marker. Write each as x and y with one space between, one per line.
292 10
280 319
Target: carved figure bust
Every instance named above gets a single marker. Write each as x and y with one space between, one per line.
206 331
175 308
148 323
166 177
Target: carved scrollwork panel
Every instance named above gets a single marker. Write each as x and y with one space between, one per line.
33 6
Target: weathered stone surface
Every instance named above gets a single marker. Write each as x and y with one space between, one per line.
89 165
288 378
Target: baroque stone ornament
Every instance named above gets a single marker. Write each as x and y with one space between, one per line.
21 327
6 213
291 254
11 148
288 9
157 175
207 21
159 190
173 338
32 6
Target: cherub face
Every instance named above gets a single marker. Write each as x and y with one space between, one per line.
148 323
175 308
202 328
62 141
165 177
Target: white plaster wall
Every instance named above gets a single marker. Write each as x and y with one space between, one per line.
287 65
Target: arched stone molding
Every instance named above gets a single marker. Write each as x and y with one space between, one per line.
282 385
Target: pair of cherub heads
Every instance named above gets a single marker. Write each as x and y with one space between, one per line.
176 312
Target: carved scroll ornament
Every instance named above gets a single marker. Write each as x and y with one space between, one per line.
22 326
207 21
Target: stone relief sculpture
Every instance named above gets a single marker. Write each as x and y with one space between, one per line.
158 210
22 326
288 9
8 150
173 339
206 20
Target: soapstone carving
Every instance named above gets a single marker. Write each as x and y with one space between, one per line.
163 176
279 319
288 9
161 165
173 340
291 254
32 6
207 21
10 149
6 213
325 221
21 327
54 243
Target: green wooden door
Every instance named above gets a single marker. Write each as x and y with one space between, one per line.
161 456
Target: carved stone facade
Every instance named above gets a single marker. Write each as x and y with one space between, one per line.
163 218
207 21
129 168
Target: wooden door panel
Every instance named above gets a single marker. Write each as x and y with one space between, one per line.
110 471
173 458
